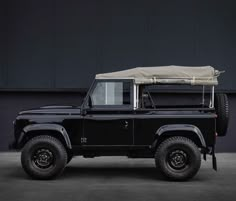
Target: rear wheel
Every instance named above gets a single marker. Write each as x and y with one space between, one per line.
178 158
43 157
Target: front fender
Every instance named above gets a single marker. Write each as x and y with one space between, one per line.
40 127
182 127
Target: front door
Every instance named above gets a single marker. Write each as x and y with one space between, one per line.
108 120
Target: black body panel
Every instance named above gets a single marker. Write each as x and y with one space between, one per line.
147 123
108 129
116 132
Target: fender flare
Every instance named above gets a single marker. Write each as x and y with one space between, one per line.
181 127
52 127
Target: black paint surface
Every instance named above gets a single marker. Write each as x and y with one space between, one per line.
11 103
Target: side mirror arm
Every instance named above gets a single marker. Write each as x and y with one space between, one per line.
90 102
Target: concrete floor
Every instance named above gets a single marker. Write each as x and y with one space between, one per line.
117 178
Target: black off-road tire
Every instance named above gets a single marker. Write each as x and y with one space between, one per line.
222 111
186 148
32 155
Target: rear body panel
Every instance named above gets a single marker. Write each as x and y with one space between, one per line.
146 124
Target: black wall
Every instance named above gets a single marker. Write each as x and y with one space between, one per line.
55 45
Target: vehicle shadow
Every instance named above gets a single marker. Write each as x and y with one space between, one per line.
93 171
97 173
112 172
126 173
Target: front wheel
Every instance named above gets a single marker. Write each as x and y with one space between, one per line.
43 157
178 158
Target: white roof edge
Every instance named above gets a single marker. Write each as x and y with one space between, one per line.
203 75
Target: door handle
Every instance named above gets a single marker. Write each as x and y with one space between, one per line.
126 124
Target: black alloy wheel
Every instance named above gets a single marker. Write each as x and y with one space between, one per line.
178 158
44 157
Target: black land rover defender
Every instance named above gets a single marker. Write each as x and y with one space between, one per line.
119 117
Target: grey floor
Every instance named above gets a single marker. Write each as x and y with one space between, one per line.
117 178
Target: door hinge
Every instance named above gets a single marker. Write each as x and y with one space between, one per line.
83 140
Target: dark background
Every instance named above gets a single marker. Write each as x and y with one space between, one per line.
50 50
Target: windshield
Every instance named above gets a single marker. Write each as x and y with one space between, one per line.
111 93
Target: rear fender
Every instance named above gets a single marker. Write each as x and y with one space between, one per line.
193 130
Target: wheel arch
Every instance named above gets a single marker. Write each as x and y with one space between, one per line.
54 130
185 130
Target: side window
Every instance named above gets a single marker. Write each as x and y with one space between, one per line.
107 93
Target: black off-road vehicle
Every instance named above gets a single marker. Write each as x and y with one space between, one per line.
120 117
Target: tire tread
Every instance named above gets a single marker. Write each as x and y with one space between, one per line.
167 173
50 140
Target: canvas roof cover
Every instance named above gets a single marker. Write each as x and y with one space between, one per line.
203 75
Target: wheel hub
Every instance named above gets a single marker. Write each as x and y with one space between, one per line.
177 159
43 158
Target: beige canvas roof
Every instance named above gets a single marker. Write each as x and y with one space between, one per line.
204 75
